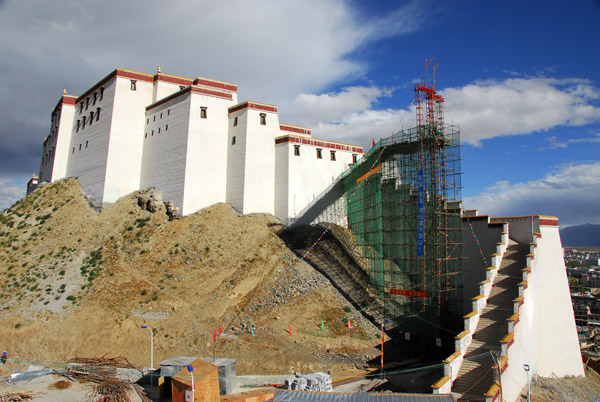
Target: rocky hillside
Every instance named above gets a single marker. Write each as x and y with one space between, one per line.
78 282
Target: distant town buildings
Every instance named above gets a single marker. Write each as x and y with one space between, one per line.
190 139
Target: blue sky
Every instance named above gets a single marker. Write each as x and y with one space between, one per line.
521 79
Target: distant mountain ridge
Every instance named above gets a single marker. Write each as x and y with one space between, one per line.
582 235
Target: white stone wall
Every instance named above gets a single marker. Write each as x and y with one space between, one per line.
282 183
162 89
302 178
309 176
63 141
164 150
206 167
89 163
236 159
251 161
123 168
559 351
259 170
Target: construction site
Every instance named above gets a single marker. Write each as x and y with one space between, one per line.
383 283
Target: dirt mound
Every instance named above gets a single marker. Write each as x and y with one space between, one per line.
78 282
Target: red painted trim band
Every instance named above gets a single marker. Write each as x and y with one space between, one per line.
173 80
214 84
549 222
299 130
188 90
134 76
318 143
252 105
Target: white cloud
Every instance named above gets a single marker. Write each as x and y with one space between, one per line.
571 193
11 190
350 115
555 143
514 106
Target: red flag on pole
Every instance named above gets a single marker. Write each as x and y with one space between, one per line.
373 142
215 335
220 330
349 324
290 329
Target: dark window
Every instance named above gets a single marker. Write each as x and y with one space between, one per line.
147 121
133 85
154 118
87 103
203 112
86 144
354 158
297 150
95 98
332 155
161 115
146 136
98 113
263 119
80 147
168 112
83 122
152 132
181 87
166 127
73 149
91 117
80 107
159 130
78 123
101 92
233 140
234 121
319 153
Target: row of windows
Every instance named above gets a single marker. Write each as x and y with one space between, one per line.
320 154
161 116
55 117
263 120
48 156
152 133
204 115
80 145
88 119
91 101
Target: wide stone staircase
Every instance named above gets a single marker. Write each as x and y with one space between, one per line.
476 374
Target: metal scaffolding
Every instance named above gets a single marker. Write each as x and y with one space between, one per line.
403 207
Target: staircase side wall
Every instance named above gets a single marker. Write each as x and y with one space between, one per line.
522 228
559 351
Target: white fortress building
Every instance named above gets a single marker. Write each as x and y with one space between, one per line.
190 139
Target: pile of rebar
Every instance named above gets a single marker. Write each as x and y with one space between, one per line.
101 372
111 390
103 361
16 396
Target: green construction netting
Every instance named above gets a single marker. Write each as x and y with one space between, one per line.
419 280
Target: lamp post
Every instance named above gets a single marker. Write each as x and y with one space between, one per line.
151 351
191 370
527 368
